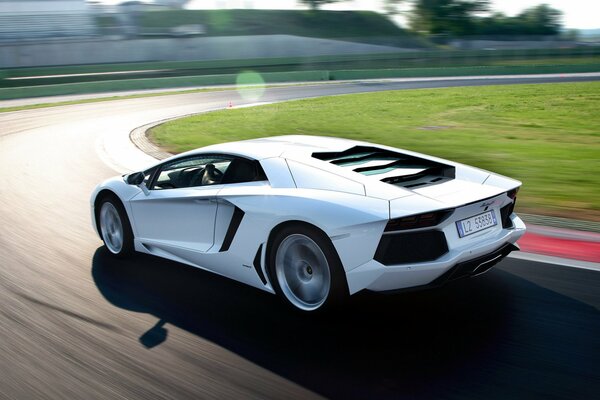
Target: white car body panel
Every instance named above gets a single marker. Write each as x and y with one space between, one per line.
176 216
308 177
278 172
192 225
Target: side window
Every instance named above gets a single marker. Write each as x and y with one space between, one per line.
193 171
243 170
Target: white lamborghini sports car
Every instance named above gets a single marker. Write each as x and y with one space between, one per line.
313 219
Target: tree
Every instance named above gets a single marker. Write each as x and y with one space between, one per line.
541 20
392 7
455 17
315 4
573 35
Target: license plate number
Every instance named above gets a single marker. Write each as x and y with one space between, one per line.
476 223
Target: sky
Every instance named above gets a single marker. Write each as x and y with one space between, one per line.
578 14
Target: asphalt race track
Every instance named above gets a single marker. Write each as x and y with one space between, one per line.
75 323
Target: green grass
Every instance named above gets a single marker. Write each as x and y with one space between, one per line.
547 136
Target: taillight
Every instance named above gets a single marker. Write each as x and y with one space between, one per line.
508 209
418 221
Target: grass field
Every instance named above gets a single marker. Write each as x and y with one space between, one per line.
547 136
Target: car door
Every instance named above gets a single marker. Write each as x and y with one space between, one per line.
179 208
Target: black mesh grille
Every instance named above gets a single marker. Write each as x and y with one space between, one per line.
404 248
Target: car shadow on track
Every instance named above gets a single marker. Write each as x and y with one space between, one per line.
470 339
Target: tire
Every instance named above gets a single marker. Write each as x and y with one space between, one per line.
115 229
305 269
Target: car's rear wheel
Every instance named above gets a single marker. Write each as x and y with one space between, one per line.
115 228
305 269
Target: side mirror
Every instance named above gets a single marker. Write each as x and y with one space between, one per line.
135 179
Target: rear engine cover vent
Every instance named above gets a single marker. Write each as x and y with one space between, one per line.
389 166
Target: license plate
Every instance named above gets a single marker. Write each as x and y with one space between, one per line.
476 223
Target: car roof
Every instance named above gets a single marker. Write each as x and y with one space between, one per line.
275 146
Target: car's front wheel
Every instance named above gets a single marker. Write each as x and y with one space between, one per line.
115 228
305 269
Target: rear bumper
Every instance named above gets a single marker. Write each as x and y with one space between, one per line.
461 262
474 267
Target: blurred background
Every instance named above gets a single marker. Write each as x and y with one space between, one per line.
76 323
107 45
83 48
